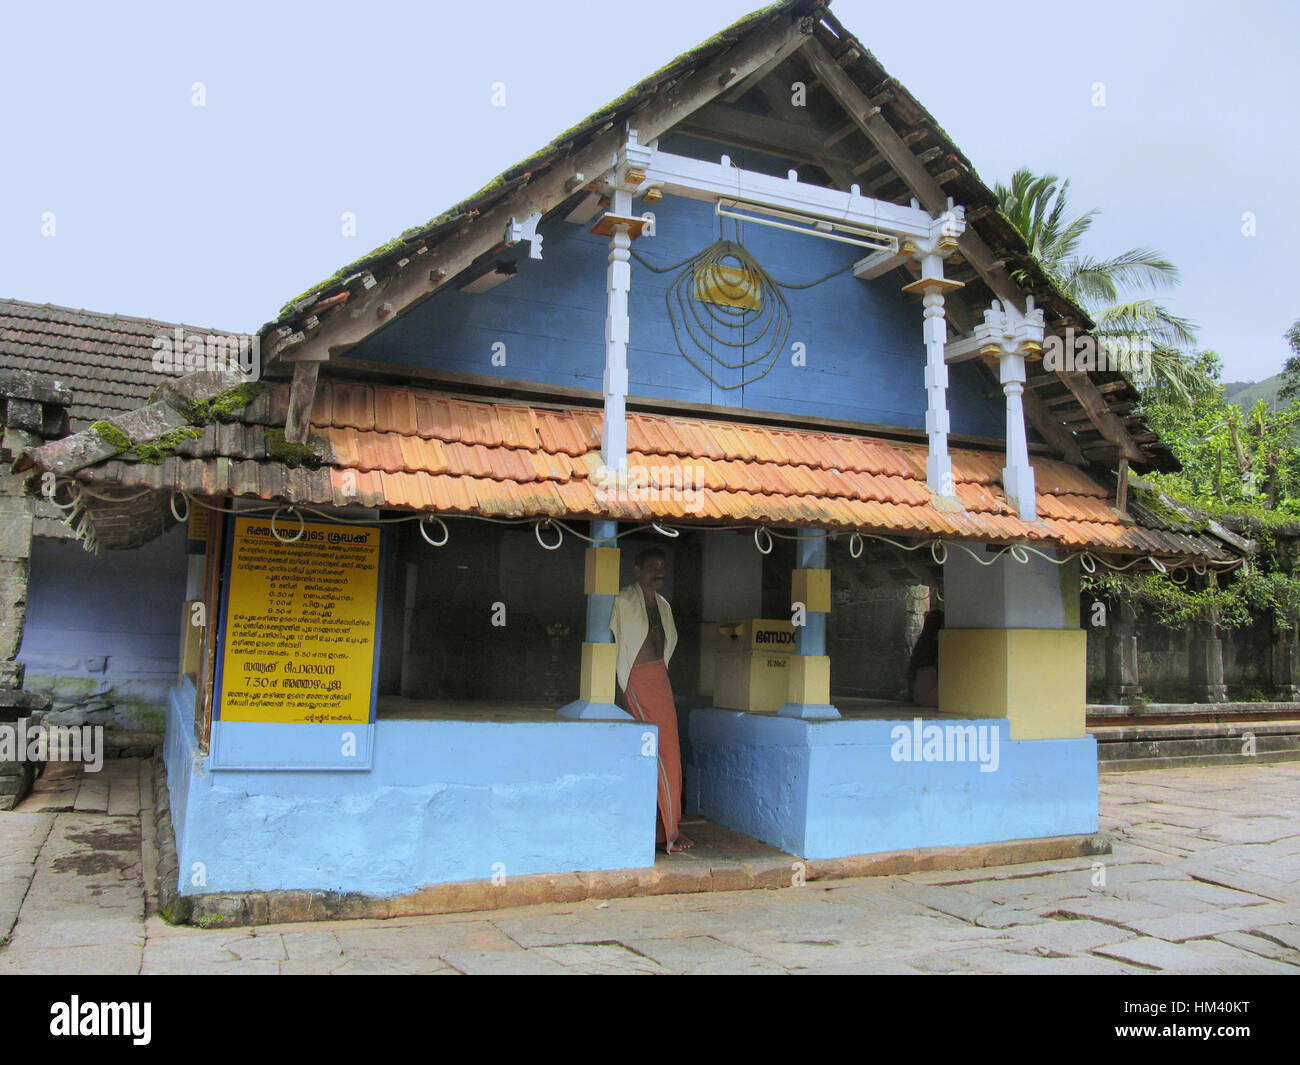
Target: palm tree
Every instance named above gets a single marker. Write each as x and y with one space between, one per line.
1038 207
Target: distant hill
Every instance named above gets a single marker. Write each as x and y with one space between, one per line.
1246 394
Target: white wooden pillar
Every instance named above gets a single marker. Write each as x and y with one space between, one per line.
932 285
1010 337
618 285
622 228
938 463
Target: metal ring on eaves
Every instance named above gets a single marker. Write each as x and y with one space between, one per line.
446 533
856 539
761 534
172 503
302 526
537 532
938 552
1199 568
1088 563
672 534
1157 564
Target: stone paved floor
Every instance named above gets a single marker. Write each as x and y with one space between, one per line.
1205 878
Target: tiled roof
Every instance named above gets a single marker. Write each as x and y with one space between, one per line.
106 359
419 450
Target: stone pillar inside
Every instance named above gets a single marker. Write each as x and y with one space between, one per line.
1122 682
1011 646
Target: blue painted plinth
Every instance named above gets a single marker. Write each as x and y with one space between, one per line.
830 789
443 801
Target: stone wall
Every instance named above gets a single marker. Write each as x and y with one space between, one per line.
102 639
1165 660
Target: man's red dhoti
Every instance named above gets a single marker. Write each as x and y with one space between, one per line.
650 698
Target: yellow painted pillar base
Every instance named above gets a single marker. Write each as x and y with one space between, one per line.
1036 678
810 688
599 662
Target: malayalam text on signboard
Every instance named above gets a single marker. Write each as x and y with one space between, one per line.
300 623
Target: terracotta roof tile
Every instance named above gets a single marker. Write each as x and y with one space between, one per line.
732 444
413 449
322 404
421 454
394 410
518 427
560 432
433 417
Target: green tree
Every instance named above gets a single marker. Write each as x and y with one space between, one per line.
1291 368
1113 291
1230 458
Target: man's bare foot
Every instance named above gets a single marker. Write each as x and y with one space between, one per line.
681 843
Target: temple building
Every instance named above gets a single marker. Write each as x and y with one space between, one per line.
760 312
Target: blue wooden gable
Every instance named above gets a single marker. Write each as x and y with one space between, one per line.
862 350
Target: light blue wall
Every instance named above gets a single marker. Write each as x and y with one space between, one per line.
103 631
831 789
444 801
862 340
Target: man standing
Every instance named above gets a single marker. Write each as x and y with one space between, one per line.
642 624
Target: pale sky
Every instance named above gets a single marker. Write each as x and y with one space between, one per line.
216 215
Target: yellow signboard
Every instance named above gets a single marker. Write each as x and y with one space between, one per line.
299 640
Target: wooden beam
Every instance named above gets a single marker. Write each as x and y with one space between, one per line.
1051 430
406 287
838 168
782 54
302 393
776 136
840 133
1102 417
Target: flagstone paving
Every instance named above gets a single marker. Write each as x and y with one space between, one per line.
1204 878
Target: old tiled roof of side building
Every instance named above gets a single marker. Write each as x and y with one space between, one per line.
420 450
105 359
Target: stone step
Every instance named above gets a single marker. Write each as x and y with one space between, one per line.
1133 746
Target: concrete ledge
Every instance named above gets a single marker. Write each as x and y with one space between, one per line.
1139 710
671 876
1195 761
